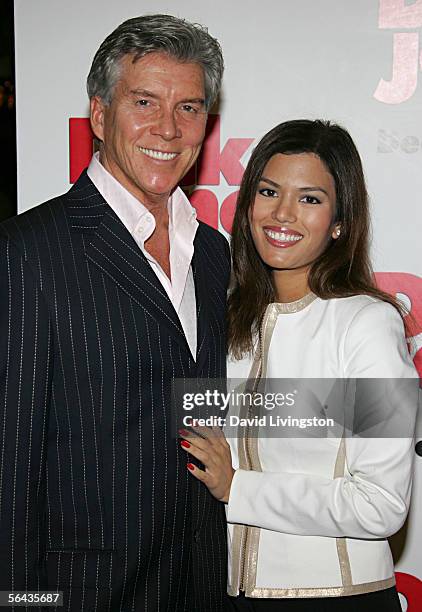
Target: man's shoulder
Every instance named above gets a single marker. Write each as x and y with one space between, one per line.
212 238
48 217
215 252
40 218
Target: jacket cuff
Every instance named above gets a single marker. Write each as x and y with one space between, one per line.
242 506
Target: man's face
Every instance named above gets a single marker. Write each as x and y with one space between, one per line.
153 129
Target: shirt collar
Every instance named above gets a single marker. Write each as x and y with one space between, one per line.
132 212
182 215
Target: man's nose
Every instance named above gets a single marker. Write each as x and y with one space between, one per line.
167 125
285 210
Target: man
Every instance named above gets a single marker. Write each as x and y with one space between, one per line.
108 293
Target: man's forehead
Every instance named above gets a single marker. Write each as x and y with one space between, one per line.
157 61
156 70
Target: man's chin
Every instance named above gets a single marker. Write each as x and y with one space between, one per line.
163 188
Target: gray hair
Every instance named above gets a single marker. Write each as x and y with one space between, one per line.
178 38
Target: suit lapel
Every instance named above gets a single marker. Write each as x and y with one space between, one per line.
110 246
202 308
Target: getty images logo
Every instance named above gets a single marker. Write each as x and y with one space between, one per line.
407 57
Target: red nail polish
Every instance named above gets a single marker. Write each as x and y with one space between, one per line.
190 466
185 444
183 432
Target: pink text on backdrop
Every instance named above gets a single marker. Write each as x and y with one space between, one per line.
214 161
411 588
409 285
407 58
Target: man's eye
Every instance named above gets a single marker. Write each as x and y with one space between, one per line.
188 108
143 102
308 199
268 193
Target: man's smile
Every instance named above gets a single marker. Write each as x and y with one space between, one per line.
160 155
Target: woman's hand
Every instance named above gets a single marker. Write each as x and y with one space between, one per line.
210 447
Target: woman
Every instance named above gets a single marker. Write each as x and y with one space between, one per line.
309 517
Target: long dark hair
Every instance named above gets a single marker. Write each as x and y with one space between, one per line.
343 269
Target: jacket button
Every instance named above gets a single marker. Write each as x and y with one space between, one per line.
196 536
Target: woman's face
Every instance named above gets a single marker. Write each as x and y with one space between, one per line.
291 218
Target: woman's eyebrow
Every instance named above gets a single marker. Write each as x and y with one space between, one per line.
314 188
269 181
306 188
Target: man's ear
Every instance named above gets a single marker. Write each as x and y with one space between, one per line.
97 109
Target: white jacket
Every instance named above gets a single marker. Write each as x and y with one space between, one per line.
309 516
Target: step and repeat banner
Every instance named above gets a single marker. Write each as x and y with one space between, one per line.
356 62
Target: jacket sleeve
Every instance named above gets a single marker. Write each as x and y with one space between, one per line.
371 499
25 381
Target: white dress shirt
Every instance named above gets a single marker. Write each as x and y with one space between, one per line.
141 225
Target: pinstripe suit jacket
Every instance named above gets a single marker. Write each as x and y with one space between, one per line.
95 498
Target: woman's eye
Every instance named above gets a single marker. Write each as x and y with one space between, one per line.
268 193
308 199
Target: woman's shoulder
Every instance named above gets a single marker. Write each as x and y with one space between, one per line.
370 336
364 309
373 338
355 303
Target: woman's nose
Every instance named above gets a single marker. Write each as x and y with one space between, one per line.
285 211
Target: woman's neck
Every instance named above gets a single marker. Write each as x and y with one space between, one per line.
290 285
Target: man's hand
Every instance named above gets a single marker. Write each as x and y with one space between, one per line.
210 447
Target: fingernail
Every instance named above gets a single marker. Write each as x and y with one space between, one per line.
190 466
183 432
185 444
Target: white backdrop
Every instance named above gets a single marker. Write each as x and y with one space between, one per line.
357 63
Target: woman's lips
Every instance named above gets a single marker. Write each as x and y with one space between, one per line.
281 237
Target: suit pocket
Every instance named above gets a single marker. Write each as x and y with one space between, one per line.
84 569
